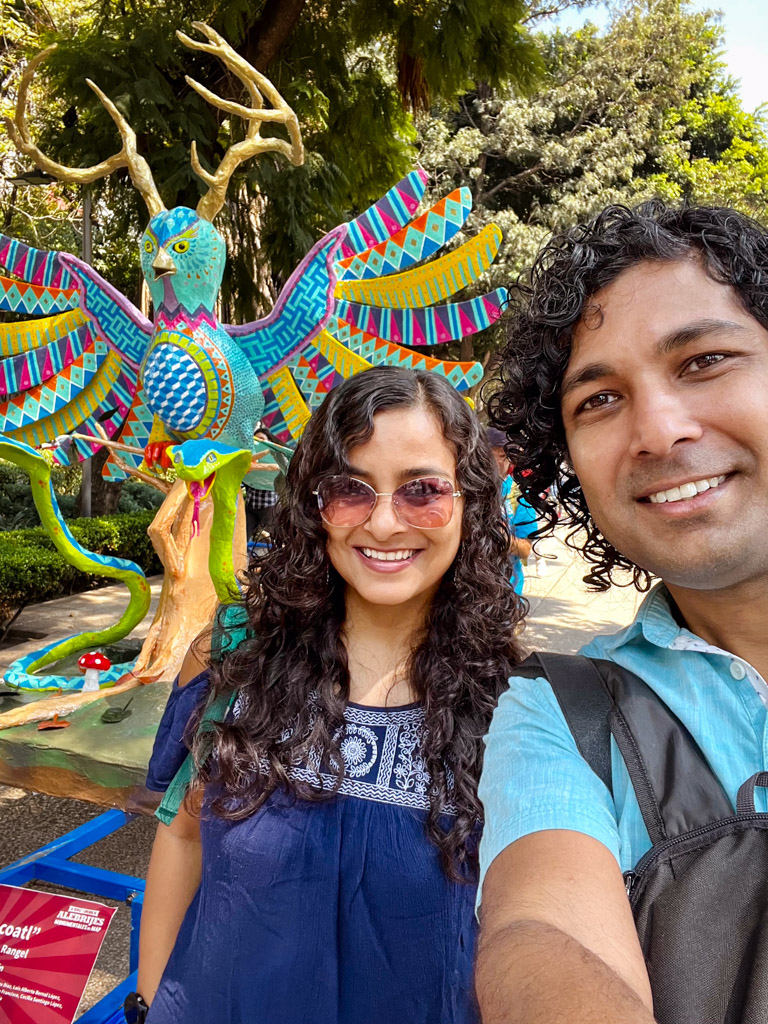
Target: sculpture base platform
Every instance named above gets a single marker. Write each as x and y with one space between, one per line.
104 763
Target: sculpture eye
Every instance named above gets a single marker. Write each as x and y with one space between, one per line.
211 457
181 246
148 246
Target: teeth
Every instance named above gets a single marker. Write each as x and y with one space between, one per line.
689 490
387 556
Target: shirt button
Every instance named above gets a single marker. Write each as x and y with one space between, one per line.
737 670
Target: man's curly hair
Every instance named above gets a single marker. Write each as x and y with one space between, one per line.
524 398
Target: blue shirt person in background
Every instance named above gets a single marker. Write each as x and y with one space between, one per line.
650 329
521 518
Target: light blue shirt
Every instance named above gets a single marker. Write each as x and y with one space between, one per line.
534 777
522 522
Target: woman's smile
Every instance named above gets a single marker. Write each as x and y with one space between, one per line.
389 561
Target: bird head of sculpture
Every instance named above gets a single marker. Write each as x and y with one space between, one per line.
182 259
182 253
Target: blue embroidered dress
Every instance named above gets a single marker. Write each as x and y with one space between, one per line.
322 913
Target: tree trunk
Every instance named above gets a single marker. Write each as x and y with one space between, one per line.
264 40
105 496
187 599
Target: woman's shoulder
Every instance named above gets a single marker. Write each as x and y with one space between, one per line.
196 663
188 694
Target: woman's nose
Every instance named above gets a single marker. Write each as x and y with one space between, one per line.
384 520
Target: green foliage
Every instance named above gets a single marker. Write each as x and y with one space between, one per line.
344 65
643 109
17 509
138 497
31 569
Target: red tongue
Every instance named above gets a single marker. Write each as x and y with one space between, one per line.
195 530
197 489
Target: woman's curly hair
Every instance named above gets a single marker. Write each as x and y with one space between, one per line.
524 399
293 673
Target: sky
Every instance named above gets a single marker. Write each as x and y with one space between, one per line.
746 42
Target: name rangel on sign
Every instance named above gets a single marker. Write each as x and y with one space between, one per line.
48 946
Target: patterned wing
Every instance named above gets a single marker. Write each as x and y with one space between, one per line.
74 362
285 339
385 299
384 309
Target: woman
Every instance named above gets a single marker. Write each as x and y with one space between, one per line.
330 877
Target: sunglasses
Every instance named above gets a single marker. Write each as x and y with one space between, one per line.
426 503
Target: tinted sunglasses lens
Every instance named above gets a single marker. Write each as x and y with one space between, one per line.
426 503
343 501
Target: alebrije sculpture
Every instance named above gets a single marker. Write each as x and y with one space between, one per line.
94 367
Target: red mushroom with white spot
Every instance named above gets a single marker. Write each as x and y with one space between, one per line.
93 664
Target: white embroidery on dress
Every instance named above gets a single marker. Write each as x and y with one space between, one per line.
384 716
405 785
359 749
388 752
410 772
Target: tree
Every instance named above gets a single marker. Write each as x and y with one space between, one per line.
352 70
643 109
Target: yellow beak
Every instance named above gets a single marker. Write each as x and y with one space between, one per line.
163 265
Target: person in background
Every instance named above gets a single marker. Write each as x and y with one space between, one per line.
260 506
522 519
322 869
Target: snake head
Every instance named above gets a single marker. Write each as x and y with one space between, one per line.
198 463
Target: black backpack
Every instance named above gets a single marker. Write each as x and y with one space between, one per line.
700 894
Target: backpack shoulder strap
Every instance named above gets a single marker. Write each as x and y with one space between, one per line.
585 702
230 629
676 789
174 796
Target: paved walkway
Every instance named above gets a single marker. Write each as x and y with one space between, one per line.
563 616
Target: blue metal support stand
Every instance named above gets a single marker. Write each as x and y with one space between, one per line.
51 864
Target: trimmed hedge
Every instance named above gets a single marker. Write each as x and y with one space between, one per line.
17 509
31 569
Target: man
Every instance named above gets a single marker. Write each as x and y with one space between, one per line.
639 358
521 518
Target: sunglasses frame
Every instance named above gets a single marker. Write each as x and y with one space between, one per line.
388 494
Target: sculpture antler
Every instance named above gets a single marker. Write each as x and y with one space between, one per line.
138 168
252 144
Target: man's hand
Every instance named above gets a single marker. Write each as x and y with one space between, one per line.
557 942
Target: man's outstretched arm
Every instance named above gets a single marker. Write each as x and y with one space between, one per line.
557 940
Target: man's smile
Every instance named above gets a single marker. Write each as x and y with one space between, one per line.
684 491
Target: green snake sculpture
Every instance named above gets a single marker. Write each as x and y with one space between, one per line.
215 469
209 469
21 673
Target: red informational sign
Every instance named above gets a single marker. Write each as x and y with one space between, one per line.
48 946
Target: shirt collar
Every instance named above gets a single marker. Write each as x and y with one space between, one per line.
654 621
